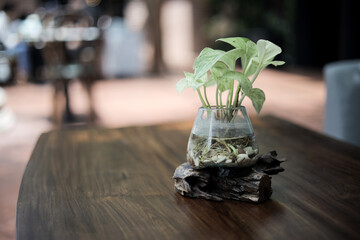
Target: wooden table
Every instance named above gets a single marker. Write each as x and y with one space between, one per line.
117 184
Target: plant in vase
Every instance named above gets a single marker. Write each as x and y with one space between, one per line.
222 134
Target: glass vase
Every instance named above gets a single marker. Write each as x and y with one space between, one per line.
222 137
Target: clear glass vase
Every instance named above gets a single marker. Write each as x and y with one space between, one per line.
222 137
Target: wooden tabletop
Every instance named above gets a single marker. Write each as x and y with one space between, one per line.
117 184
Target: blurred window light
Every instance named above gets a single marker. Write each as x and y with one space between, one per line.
5 71
90 34
177 35
76 34
136 14
122 50
104 22
31 27
48 34
11 40
60 34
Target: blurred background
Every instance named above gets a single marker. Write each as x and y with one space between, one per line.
115 63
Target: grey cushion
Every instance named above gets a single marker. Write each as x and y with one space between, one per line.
342 109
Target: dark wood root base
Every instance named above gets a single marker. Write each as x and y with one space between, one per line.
251 184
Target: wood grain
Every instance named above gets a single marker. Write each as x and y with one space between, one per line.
116 184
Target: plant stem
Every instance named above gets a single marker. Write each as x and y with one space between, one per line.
256 73
236 99
201 98
206 99
217 97
231 93
241 99
221 106
218 115
221 103
247 66
228 103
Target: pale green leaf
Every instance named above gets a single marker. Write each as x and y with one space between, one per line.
266 53
277 63
257 97
218 70
225 84
244 82
218 73
196 83
231 56
188 75
190 81
267 50
210 82
247 62
246 50
236 42
251 66
206 59
181 85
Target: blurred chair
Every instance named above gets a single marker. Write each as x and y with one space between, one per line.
342 109
72 53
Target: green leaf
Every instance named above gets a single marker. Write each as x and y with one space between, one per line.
252 66
225 84
236 42
196 83
188 75
231 56
190 81
257 97
267 51
218 73
206 59
244 82
210 82
246 49
181 85
277 63
218 70
247 61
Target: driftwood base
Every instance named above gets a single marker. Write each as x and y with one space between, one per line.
251 184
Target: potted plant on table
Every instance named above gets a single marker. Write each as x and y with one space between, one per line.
222 134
